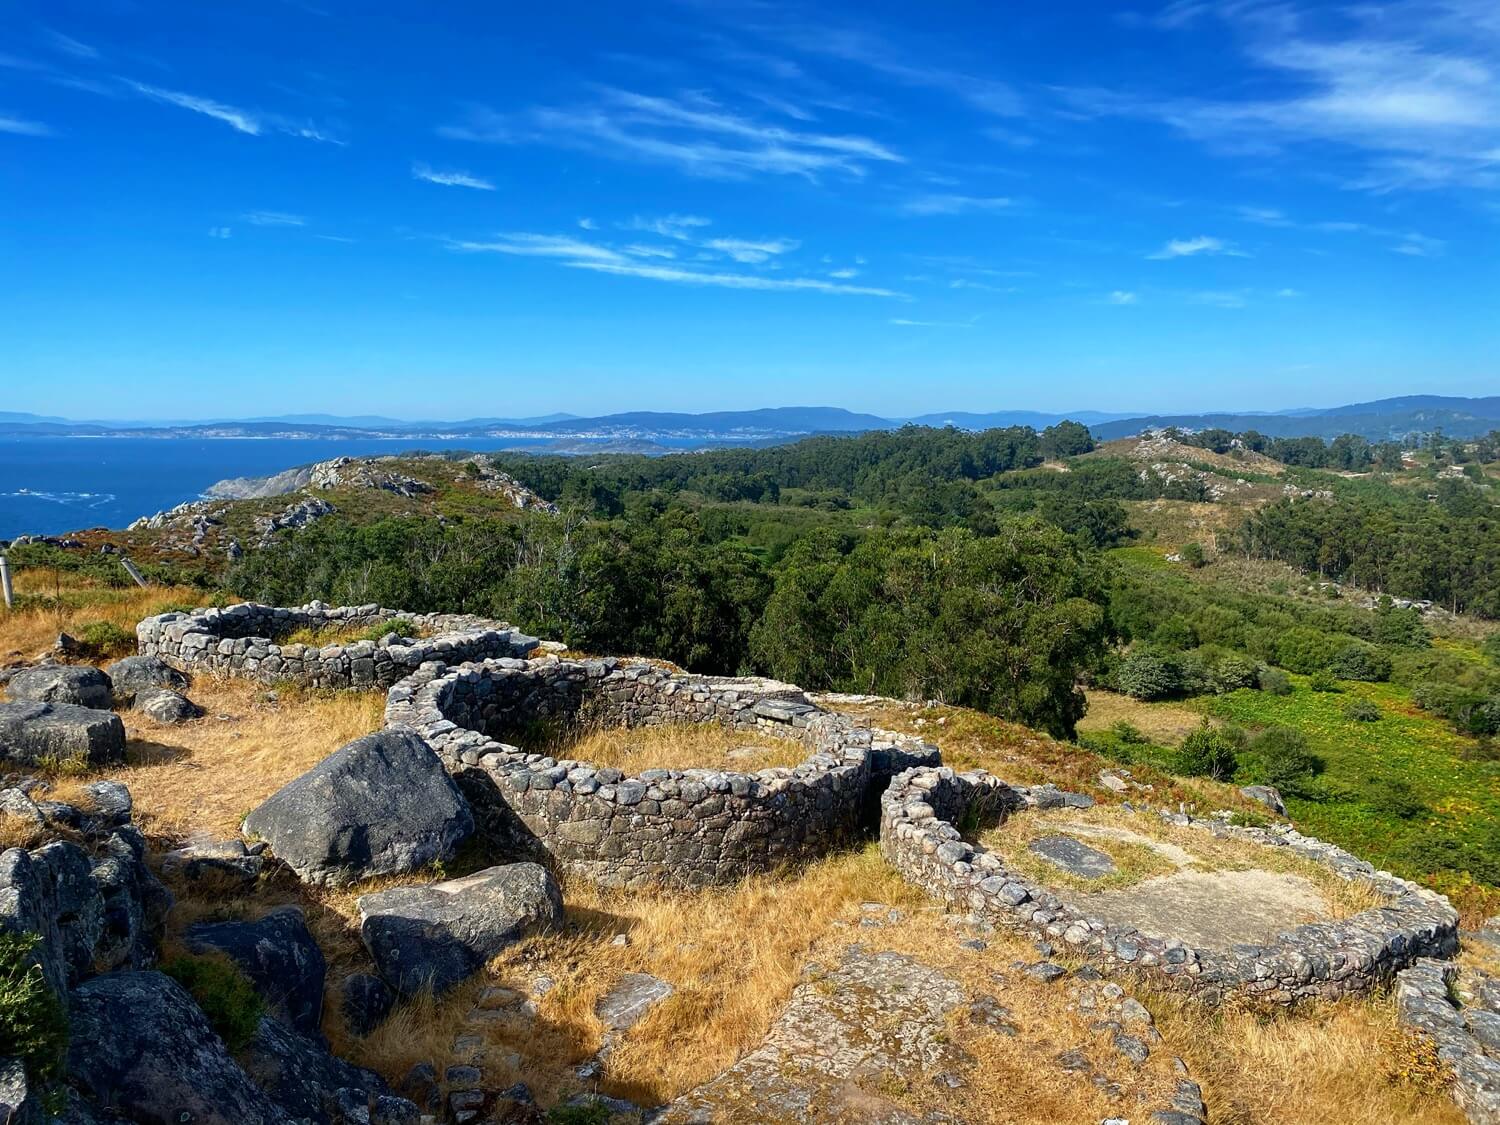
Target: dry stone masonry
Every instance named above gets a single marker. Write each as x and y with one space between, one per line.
919 836
692 827
245 640
1462 1019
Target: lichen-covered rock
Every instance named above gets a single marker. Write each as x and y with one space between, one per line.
365 1001
135 674
77 684
142 1048
279 956
1267 795
382 805
214 866
164 705
303 1077
1425 1005
33 732
440 934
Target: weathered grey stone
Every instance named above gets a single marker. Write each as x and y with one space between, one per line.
136 674
627 1003
1073 856
77 684
38 733
1267 795
142 1047
302 1077
382 805
439 934
365 1001
279 956
166 706
225 866
111 801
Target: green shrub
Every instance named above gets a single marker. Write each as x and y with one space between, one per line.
224 993
1491 646
1243 818
1305 650
1192 554
1174 633
1393 797
1361 661
592 1112
1129 734
105 638
1273 681
1324 680
1280 756
1361 711
1144 676
1209 752
1214 670
33 1023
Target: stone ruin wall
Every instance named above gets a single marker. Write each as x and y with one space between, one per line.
919 837
694 827
243 640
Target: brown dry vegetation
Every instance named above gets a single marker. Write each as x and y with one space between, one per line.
680 747
208 773
67 603
1163 723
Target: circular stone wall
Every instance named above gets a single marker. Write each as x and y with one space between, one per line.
691 827
243 640
919 836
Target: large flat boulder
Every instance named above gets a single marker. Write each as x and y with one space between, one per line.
142 1048
382 805
34 732
439 934
135 674
77 684
279 956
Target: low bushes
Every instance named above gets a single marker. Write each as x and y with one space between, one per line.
33 1024
224 993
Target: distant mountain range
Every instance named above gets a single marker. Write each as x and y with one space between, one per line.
1392 418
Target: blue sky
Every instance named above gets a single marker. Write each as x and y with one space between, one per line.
247 208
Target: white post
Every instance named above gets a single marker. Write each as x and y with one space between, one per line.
5 587
140 579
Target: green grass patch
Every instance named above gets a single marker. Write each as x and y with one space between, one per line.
33 1024
224 993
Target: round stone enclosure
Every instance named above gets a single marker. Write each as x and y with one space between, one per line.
919 834
690 827
249 640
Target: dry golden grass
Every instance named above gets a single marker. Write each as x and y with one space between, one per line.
1163 723
348 634
208 773
680 747
1333 1064
73 604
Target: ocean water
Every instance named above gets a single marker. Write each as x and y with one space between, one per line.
49 485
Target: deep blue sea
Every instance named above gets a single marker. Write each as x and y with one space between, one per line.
50 485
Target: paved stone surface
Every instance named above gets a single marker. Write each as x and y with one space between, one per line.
1073 856
1212 909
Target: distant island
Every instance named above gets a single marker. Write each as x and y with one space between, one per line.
1390 419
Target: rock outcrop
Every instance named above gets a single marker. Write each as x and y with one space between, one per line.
382 805
34 733
279 956
135 674
77 684
437 935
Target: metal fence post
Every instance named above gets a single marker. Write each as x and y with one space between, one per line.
5 587
140 579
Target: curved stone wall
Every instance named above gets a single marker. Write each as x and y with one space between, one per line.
919 837
692 827
243 640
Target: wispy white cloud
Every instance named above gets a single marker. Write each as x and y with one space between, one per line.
641 250
983 286
1288 293
70 46
219 232
1415 245
1219 299
1193 247
1122 297
238 119
450 178
844 274
587 224
905 323
945 204
751 251
273 219
1412 87
21 127
577 254
680 227
691 132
